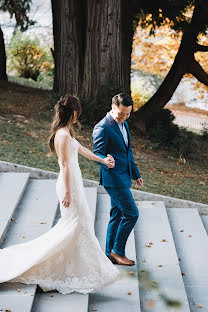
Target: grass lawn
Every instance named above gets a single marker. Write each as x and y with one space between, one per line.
24 130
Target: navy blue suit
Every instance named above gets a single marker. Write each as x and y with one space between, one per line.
108 139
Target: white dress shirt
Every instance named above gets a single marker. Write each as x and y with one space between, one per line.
123 130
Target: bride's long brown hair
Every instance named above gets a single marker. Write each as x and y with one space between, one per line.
64 113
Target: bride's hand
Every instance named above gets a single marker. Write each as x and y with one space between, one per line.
109 161
66 200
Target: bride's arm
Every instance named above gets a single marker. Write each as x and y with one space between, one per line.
109 160
64 150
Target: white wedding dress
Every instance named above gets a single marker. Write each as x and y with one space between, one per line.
68 258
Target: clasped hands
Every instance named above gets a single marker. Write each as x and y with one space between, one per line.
110 162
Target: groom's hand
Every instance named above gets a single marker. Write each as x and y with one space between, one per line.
139 183
109 161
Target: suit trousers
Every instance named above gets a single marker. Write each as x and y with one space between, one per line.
123 216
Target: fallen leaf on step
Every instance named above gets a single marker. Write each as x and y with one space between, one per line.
94 309
190 235
147 245
159 265
142 270
181 230
203 183
154 282
183 274
149 304
42 222
150 243
22 236
153 204
51 295
144 260
199 306
130 273
129 293
17 289
8 310
13 219
163 240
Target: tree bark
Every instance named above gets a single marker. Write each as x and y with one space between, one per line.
127 33
102 63
92 48
3 74
67 45
184 62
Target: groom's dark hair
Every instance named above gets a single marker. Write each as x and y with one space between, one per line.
122 98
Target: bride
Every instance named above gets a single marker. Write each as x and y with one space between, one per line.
68 258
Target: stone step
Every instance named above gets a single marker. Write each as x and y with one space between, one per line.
12 187
204 219
114 297
74 301
36 206
193 251
153 227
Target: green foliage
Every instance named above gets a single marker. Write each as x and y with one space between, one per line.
161 127
204 131
28 59
143 86
139 93
93 111
19 9
164 133
44 84
185 144
53 97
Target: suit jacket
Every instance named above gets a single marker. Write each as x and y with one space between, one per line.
108 139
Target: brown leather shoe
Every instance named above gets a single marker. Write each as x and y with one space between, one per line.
122 260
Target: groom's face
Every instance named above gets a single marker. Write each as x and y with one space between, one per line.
121 112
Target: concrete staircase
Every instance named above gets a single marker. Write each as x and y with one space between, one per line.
169 243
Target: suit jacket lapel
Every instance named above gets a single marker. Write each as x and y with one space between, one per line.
116 127
128 132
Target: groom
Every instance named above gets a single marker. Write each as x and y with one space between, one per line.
111 136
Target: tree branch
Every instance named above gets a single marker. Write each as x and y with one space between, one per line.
201 48
198 72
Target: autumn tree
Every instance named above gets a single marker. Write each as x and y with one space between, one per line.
154 55
18 9
174 14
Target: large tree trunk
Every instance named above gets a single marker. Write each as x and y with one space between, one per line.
92 49
103 54
184 63
67 29
3 75
127 33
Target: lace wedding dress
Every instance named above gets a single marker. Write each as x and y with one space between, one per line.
68 258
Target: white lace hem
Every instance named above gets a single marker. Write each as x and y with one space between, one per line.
67 287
